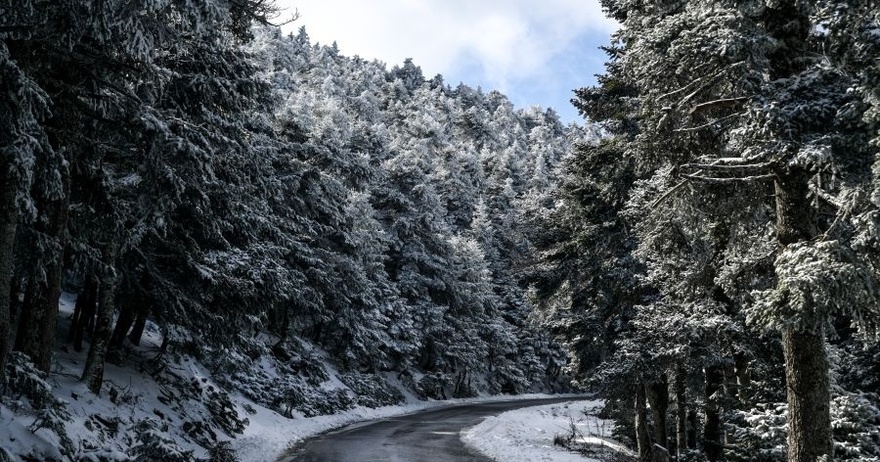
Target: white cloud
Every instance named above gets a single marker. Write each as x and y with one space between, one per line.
510 39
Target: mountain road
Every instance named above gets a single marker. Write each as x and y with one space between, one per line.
427 436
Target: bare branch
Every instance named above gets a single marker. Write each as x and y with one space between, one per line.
675 92
291 19
726 102
691 84
706 125
701 89
719 164
830 199
715 78
667 195
707 81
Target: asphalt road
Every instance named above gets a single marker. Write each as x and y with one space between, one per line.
427 436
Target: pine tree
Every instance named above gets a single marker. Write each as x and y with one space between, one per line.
111 71
22 140
727 99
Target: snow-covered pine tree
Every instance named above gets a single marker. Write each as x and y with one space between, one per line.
744 95
87 56
22 140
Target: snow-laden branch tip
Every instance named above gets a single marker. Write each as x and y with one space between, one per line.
825 196
743 179
762 166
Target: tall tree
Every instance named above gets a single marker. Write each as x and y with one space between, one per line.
741 93
22 140
110 69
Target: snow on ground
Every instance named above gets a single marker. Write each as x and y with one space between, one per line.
270 434
526 435
101 427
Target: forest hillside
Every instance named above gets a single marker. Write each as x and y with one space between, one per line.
210 229
237 221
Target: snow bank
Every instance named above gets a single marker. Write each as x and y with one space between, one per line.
269 434
526 435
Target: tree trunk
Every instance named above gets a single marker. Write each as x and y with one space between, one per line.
806 364
680 411
693 428
36 329
713 447
137 330
36 325
127 315
84 312
743 376
8 221
658 397
643 438
93 372
807 390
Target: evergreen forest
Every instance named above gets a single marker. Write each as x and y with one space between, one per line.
204 220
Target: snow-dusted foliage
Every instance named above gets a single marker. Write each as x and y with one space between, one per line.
855 417
816 281
320 231
733 200
28 393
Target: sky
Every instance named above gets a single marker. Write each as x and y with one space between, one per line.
534 51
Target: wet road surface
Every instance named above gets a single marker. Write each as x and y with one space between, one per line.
426 436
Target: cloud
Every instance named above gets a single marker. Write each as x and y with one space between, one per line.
499 44
508 37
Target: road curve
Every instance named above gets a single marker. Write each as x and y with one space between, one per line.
427 436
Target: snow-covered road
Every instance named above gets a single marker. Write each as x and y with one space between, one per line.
432 435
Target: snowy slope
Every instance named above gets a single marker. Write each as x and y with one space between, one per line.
175 409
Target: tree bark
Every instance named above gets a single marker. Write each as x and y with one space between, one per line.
658 396
806 364
807 389
680 411
693 428
127 315
36 326
93 372
8 221
137 330
743 376
643 438
36 329
84 312
713 447
795 218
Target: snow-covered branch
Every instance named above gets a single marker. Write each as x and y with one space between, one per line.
725 102
762 166
743 179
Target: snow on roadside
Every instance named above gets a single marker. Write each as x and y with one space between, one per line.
526 435
103 427
270 435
